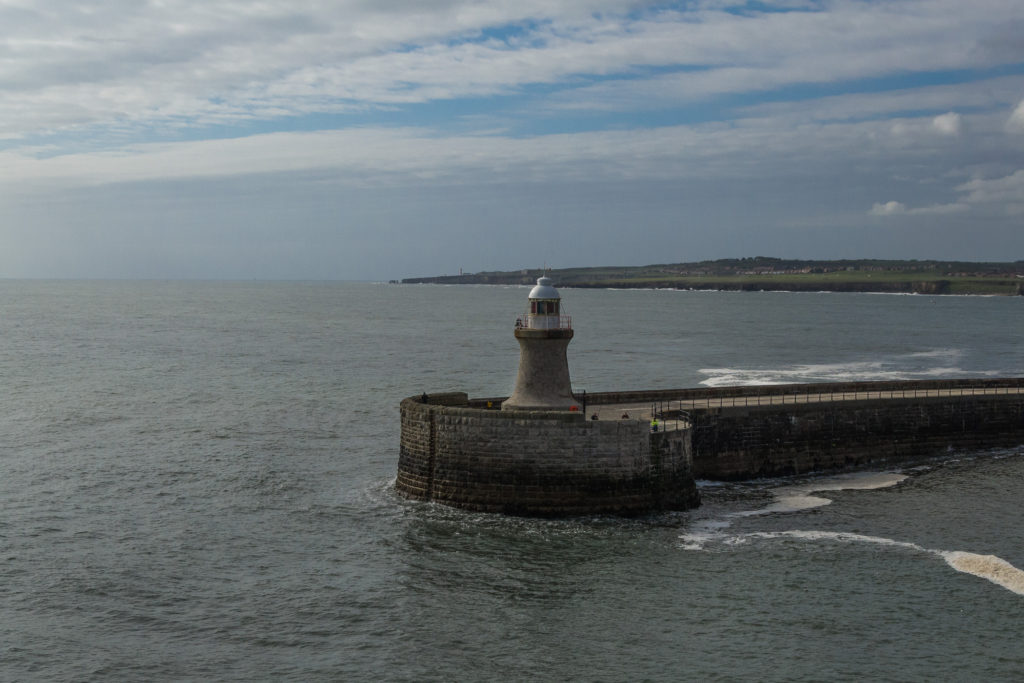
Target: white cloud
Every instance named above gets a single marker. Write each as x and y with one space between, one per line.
1008 189
1005 194
120 63
87 63
950 123
988 94
752 53
919 130
744 149
735 151
891 208
1015 124
730 101
381 155
894 208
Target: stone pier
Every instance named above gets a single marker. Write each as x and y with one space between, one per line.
474 455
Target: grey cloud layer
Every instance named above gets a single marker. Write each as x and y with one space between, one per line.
706 112
104 63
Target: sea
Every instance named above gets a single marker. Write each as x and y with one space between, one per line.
197 483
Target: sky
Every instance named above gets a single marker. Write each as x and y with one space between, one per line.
381 139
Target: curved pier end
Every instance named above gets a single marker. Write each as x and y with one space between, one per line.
546 463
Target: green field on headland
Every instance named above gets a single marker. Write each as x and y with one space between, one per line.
773 274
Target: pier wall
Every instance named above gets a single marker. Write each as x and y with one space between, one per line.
784 429
470 454
543 463
774 440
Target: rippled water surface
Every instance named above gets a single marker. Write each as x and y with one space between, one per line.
196 484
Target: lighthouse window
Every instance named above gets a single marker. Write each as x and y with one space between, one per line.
544 307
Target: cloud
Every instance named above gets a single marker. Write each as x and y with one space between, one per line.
941 209
891 208
982 95
1015 124
1008 189
190 63
809 110
721 53
950 123
374 155
1004 194
114 63
894 208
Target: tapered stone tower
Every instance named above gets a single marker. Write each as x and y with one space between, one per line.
544 334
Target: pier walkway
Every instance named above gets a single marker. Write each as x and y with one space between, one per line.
668 410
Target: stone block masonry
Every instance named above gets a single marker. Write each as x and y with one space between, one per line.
471 454
767 441
539 463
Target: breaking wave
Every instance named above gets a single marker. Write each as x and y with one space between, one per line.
995 569
989 567
798 497
791 499
931 364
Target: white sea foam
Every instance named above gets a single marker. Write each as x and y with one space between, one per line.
855 481
789 499
937 353
841 536
798 497
846 372
795 498
795 503
995 569
702 532
898 367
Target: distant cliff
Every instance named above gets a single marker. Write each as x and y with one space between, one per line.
772 274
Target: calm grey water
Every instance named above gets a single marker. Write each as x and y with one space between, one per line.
196 479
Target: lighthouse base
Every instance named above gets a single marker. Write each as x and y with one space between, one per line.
542 382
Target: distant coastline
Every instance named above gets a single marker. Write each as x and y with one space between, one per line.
762 273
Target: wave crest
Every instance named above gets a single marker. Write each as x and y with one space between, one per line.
995 569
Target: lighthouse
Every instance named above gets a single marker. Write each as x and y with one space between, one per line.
544 334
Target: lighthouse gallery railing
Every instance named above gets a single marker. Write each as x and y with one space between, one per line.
544 322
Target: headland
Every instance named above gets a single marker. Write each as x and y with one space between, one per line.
774 274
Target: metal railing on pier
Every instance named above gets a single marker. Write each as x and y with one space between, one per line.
784 398
670 415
